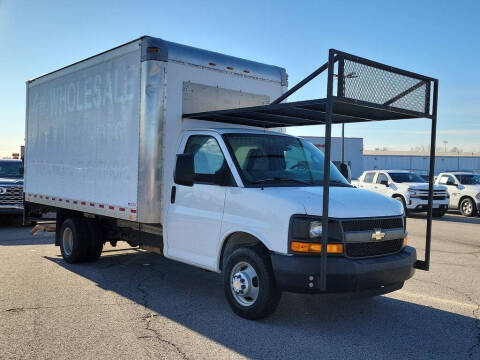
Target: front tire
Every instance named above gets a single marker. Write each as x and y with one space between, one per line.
249 283
74 240
402 201
467 207
438 213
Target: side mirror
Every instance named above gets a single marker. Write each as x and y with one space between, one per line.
184 170
384 182
21 171
346 172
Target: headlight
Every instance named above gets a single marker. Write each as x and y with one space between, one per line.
306 234
315 229
412 192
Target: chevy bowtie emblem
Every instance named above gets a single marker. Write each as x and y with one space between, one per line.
378 235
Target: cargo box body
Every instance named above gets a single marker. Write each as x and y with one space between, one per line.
102 133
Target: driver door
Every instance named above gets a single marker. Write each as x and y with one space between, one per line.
195 212
452 189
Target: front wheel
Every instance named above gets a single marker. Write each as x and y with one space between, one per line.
467 208
402 201
438 213
249 284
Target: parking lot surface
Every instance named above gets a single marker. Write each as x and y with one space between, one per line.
133 304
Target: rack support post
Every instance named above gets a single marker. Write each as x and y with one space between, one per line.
326 172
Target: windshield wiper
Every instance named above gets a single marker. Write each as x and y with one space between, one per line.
279 179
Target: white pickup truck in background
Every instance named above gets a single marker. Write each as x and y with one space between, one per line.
407 187
464 191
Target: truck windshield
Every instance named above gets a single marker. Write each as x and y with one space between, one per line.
10 169
273 160
469 179
406 177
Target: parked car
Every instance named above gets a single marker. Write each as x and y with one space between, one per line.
464 191
11 187
407 187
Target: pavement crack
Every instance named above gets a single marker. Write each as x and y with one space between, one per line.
20 309
149 316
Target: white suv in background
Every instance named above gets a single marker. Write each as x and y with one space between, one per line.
407 187
464 190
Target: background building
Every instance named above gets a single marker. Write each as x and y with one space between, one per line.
361 160
419 162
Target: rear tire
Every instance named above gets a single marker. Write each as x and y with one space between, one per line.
467 207
249 283
95 240
74 240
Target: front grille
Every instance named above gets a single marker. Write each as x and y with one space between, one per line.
371 224
367 249
434 198
12 196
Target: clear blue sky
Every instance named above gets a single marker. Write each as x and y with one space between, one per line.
437 38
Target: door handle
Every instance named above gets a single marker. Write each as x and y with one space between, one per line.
173 194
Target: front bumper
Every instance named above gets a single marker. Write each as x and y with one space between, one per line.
416 204
294 272
11 209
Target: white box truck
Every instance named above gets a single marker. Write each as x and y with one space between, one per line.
108 146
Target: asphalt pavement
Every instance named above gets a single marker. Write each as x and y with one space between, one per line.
133 304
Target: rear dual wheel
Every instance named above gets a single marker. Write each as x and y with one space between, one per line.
81 240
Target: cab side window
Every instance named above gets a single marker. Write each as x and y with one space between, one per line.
369 177
208 158
447 180
382 177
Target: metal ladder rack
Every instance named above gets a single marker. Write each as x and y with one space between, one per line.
364 91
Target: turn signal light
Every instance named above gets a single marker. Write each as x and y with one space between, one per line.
405 241
304 247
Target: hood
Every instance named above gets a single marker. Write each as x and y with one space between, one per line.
345 202
420 186
10 181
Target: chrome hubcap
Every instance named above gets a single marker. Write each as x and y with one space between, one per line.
67 241
244 283
467 207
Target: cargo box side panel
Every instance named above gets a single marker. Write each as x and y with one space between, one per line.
83 135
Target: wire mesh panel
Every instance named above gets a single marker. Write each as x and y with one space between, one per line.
362 81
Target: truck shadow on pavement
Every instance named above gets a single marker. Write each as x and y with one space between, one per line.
304 326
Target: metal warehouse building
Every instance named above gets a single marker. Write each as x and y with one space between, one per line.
360 160
419 162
